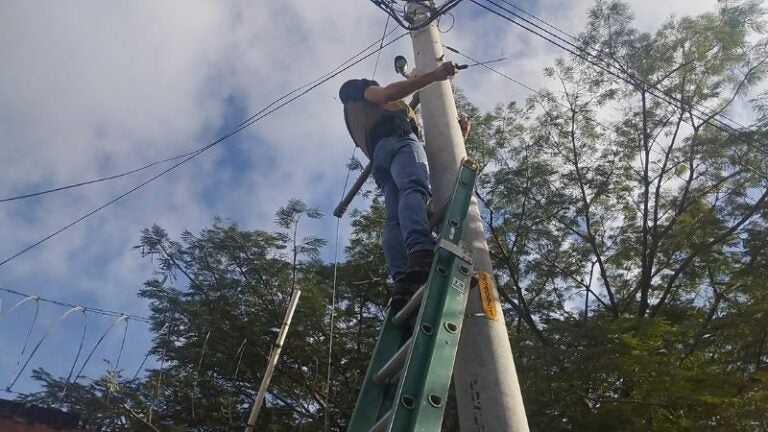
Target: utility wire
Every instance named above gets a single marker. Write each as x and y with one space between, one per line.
333 303
553 27
253 119
629 78
77 356
585 47
40 342
91 309
29 335
97 180
194 152
122 345
637 82
378 56
540 94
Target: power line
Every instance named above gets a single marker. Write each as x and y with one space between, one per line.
615 63
604 65
251 120
91 309
331 326
632 80
540 94
479 63
553 27
193 152
97 180
378 56
391 6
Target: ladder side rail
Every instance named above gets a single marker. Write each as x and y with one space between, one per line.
372 395
443 307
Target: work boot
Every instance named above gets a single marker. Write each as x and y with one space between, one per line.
419 265
400 293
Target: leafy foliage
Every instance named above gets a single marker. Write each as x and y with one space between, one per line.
628 236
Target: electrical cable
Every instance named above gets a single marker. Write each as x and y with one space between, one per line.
672 100
91 309
633 80
141 365
539 19
29 335
122 345
40 342
97 180
583 47
378 56
253 119
333 301
479 63
172 158
389 7
77 356
95 346
453 23
540 94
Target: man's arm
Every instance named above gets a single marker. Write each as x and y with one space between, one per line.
400 89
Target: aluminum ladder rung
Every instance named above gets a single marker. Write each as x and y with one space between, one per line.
382 424
394 365
410 308
409 375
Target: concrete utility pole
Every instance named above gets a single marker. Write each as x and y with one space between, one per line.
485 379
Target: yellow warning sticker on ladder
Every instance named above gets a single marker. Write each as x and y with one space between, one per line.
487 295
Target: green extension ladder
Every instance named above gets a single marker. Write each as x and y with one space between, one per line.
406 386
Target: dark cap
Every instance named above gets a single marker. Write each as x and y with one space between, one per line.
354 90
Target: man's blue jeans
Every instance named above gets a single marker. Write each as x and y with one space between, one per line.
400 170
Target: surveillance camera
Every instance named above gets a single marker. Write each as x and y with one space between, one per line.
401 65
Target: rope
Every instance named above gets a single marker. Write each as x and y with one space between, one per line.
333 302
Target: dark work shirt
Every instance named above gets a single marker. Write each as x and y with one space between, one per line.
354 90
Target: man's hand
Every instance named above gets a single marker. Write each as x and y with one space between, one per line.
445 70
400 89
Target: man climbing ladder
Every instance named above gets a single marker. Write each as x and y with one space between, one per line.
406 386
386 130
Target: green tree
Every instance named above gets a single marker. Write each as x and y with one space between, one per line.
624 227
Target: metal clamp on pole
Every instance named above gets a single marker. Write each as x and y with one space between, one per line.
342 207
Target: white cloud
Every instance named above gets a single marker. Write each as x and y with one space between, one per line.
93 88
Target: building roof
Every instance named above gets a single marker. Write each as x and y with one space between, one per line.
36 415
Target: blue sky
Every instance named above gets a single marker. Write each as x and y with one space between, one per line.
89 89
